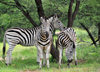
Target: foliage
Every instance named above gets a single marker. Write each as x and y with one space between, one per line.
88 13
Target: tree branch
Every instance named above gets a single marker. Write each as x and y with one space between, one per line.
39 8
99 32
26 13
8 3
95 41
89 34
70 14
76 10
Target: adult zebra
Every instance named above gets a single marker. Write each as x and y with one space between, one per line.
67 39
25 37
44 41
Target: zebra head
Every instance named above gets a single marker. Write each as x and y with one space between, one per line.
45 27
69 52
56 22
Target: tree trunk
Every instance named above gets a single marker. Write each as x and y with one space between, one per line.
89 34
71 16
99 32
75 11
54 52
39 8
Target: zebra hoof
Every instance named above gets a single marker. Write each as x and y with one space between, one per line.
44 64
38 63
68 65
7 64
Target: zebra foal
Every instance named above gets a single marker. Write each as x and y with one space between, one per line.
67 39
44 41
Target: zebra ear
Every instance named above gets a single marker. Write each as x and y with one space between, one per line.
55 15
42 20
50 19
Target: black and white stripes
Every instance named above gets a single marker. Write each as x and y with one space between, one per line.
44 41
25 37
67 39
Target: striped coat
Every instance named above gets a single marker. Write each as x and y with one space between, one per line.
67 39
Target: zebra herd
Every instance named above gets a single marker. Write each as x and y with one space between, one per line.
41 37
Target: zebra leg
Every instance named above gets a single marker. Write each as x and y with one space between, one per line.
9 53
40 55
44 58
60 56
38 58
75 55
47 55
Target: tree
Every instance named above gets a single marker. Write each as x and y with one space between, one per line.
99 32
23 8
71 16
39 8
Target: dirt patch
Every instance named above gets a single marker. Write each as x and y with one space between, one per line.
31 71
81 61
98 70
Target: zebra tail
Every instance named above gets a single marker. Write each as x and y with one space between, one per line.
4 47
74 45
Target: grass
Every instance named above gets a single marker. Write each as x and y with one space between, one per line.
24 59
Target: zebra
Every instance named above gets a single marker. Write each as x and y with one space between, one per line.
67 39
55 23
44 41
25 37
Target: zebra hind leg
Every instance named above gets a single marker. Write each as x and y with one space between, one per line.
38 58
75 55
9 54
60 56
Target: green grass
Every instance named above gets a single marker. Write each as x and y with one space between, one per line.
24 58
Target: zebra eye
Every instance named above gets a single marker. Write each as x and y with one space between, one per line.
58 22
70 51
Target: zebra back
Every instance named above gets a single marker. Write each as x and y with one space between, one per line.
71 33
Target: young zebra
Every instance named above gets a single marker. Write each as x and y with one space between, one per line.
66 39
44 41
25 37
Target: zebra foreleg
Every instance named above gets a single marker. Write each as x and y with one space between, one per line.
40 56
9 54
47 55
